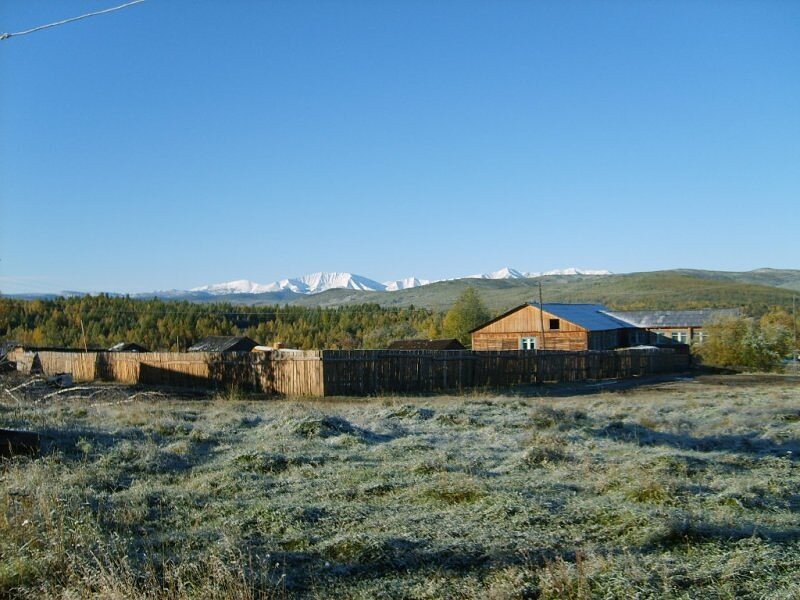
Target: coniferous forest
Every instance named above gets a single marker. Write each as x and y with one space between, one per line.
169 325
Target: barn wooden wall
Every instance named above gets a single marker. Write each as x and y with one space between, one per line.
564 341
505 333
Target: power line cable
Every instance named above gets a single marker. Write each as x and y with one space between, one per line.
6 36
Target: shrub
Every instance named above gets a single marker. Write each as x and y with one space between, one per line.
745 342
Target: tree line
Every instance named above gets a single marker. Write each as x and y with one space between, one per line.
102 321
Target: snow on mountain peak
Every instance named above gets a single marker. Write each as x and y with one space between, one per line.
319 282
239 286
571 271
404 284
307 284
509 273
315 283
504 273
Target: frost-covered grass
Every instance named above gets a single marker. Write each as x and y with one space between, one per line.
683 489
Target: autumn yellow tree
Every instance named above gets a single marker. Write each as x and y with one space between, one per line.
466 314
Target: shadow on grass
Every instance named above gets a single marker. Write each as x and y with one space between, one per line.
585 388
746 443
127 454
687 530
397 555
359 556
394 555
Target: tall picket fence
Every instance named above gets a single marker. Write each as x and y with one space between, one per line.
353 372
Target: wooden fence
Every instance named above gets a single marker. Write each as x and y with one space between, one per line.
353 372
363 372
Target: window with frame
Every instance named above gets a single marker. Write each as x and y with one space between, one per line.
527 343
679 337
555 323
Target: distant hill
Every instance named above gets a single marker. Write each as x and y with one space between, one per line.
681 288
659 289
782 278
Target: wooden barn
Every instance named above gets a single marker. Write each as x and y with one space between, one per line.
675 326
557 327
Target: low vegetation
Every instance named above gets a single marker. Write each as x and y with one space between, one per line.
751 344
680 489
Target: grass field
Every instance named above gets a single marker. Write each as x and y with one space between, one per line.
681 489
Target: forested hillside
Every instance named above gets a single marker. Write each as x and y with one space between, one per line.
633 291
161 325
358 319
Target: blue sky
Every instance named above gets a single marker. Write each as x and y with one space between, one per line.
177 143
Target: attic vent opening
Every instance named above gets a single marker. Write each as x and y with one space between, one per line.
555 323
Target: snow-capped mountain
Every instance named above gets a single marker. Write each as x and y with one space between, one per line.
320 282
570 271
504 273
404 284
307 284
509 273
240 286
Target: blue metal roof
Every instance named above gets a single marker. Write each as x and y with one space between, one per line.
588 316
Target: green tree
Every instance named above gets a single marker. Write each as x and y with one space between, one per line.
746 342
467 313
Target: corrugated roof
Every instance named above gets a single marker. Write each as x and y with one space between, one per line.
673 318
593 317
127 347
224 343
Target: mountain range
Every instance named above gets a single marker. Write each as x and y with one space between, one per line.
316 283
501 290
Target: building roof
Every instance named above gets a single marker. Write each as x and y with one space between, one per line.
446 344
592 317
224 343
128 347
673 318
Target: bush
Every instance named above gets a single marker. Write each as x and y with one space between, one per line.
745 342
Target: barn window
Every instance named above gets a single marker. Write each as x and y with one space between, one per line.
527 343
679 336
555 324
